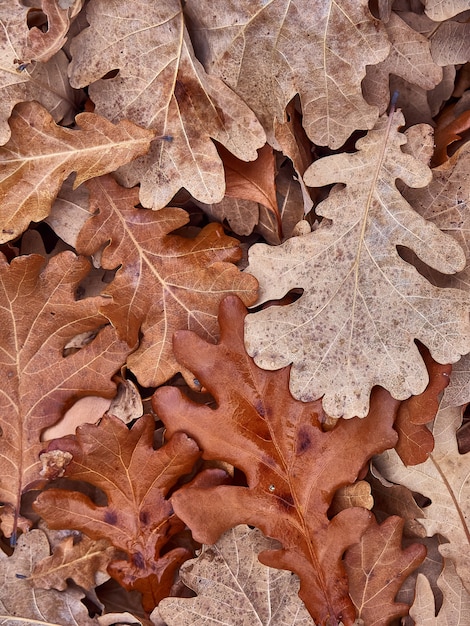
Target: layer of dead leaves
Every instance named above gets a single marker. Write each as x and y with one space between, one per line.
168 456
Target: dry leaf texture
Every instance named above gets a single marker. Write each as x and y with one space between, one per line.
235 588
161 85
363 306
443 479
39 314
166 282
377 567
40 155
254 47
292 467
20 603
138 519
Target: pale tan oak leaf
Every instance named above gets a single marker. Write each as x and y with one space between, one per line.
161 85
410 58
234 588
268 52
21 603
455 609
40 155
362 307
440 10
445 479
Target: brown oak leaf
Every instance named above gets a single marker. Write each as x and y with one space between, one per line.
39 315
40 155
166 282
377 567
256 49
138 519
161 85
415 440
292 466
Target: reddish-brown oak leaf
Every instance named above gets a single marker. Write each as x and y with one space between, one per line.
138 519
40 155
38 316
166 282
377 567
292 466
415 440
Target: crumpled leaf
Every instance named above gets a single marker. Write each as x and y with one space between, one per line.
410 57
234 588
40 156
163 87
20 603
292 467
256 49
444 479
79 558
363 306
138 518
166 282
39 314
447 132
377 567
455 610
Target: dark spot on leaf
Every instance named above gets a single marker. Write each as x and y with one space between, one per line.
144 517
110 517
303 441
286 501
138 560
260 408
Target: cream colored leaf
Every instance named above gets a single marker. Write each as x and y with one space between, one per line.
20 603
410 57
256 49
363 306
234 588
444 478
455 610
161 85
440 10
40 156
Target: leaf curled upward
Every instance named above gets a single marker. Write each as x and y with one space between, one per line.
292 467
363 307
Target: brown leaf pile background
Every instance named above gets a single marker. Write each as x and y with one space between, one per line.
234 312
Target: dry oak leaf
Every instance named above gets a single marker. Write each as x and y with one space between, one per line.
138 519
40 155
440 10
450 43
455 609
410 58
444 479
21 603
161 85
234 588
43 82
39 314
415 440
292 467
269 52
377 567
166 282
362 308
80 559
448 129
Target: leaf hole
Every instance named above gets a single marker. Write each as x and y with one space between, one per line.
37 19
